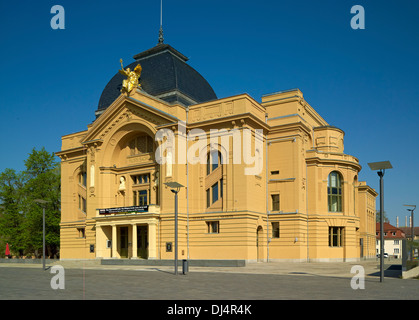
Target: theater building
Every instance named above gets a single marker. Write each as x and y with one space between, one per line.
262 180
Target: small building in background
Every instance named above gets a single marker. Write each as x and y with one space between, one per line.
393 237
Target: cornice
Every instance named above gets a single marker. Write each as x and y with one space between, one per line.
321 160
65 154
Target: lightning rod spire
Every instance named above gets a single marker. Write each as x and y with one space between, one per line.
161 39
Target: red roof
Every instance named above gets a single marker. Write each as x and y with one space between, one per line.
390 231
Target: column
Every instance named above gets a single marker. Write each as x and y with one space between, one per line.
152 240
134 242
114 242
100 243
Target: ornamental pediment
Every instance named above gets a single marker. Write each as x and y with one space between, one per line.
128 110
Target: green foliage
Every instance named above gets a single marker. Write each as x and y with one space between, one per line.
20 216
377 216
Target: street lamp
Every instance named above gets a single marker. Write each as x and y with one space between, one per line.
381 168
412 228
175 188
411 212
42 203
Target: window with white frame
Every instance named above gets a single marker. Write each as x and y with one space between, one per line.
334 192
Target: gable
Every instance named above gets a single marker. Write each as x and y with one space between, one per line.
138 107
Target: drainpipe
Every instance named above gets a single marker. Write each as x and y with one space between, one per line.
313 146
266 192
187 186
308 256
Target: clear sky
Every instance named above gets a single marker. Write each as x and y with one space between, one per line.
363 81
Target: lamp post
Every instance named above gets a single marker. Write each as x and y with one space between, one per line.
412 224
381 168
175 188
42 203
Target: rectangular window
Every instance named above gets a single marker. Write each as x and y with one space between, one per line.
140 197
82 204
396 242
335 201
275 202
81 232
214 192
221 188
336 236
214 160
274 172
213 226
208 198
140 179
275 229
83 178
208 164
141 145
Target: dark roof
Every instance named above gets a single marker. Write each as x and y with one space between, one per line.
408 231
166 75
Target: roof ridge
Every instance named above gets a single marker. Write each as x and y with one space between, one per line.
158 49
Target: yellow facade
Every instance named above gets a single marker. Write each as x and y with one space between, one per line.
276 206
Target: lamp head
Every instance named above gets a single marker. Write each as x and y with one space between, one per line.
382 165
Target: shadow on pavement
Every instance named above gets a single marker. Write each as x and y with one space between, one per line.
164 271
392 271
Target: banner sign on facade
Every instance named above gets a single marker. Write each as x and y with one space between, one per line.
124 209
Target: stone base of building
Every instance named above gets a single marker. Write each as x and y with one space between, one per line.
168 262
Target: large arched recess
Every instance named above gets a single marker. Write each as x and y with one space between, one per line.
115 145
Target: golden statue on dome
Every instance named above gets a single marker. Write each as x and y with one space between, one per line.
132 78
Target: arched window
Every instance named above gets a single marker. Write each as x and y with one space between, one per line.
83 178
214 180
213 161
140 145
334 192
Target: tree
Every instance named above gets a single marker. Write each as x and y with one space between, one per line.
43 182
11 220
21 217
377 216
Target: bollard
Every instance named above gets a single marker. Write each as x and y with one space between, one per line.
185 267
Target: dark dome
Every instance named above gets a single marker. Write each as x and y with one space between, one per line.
165 75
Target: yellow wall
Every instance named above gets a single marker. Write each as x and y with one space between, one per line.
303 149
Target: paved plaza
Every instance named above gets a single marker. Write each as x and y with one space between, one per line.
88 280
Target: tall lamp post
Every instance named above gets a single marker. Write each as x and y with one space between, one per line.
412 224
42 203
381 168
175 188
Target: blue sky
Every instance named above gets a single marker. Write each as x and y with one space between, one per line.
362 81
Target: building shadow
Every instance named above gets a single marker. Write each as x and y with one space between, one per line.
391 271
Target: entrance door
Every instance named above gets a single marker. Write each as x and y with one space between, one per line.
124 241
142 242
361 244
